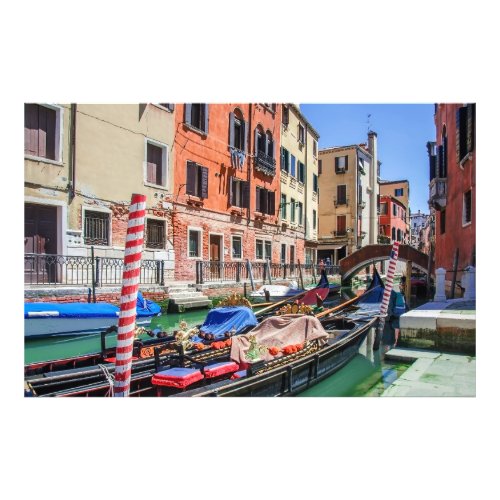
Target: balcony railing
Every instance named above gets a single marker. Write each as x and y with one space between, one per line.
45 269
341 201
265 164
437 193
214 271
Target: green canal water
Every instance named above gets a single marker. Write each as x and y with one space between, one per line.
368 374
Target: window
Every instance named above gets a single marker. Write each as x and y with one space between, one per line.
96 228
394 210
383 208
42 130
315 183
263 250
155 233
283 253
341 164
269 145
398 192
237 131
236 247
196 116
239 193
467 208
315 148
320 167
465 131
314 219
285 160
265 201
300 215
292 254
301 134
196 180
399 234
292 166
341 194
285 117
393 234
442 222
341 226
156 163
292 210
301 171
194 243
283 206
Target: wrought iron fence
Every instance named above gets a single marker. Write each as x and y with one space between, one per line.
43 269
213 271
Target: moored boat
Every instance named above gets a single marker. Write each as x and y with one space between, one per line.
46 319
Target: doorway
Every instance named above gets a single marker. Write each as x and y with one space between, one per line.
215 256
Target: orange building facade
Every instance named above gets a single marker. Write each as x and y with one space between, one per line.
392 220
226 187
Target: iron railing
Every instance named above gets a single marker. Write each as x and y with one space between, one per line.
44 269
213 271
265 163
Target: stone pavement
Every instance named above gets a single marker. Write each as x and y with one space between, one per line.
433 374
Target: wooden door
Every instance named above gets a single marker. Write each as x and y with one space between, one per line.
215 256
40 238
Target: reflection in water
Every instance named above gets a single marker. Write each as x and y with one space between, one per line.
368 374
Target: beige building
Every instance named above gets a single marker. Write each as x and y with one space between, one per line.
298 208
348 183
82 164
401 191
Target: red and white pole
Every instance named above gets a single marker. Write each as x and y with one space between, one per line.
389 282
128 299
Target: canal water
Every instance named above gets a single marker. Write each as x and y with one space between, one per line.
368 374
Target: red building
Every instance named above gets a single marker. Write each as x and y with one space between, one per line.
226 184
452 187
392 220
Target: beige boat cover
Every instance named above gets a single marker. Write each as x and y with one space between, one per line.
278 331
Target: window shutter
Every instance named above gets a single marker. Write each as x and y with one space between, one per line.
231 187
31 129
292 167
231 129
272 202
346 163
457 135
432 167
204 182
441 161
245 137
187 113
191 177
245 195
285 115
50 139
257 199
271 150
256 141
264 205
282 158
471 121
437 168
320 167
42 131
205 129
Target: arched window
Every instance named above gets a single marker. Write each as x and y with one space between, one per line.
260 140
444 166
237 130
269 144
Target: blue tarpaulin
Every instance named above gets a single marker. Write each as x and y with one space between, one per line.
223 319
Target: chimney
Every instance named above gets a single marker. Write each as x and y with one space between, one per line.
372 147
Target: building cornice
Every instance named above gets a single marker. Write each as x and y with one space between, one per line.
304 119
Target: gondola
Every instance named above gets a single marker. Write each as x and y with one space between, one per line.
98 380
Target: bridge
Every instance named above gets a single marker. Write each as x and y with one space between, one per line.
352 264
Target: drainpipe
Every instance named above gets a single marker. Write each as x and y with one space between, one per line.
249 162
72 182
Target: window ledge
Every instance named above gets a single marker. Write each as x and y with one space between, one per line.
465 159
156 186
44 160
465 224
194 129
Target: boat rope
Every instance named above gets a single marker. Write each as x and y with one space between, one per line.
110 380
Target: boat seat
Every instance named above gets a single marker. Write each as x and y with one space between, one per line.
239 374
178 377
222 368
113 359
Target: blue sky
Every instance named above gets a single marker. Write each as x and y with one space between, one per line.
402 129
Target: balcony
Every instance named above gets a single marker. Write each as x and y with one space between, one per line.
437 193
341 201
265 164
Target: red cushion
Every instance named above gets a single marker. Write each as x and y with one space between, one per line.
112 360
177 377
220 369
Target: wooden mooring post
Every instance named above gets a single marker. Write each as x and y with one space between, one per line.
454 278
300 275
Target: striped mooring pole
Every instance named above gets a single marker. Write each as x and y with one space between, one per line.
128 298
389 282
